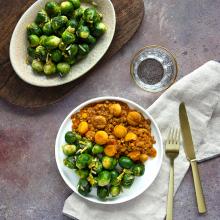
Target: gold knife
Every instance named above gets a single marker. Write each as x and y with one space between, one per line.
190 154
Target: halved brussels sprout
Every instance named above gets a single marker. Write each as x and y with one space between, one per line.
102 192
37 66
104 178
42 17
34 40
52 8
56 56
33 28
59 22
70 162
95 166
66 7
125 162
84 173
76 3
47 28
127 180
109 163
91 40
69 149
138 169
83 161
99 29
73 50
70 60
115 190
31 52
49 68
97 149
63 68
41 52
84 188
83 49
91 15
78 13
52 42
72 23
83 32
68 37
70 137
43 39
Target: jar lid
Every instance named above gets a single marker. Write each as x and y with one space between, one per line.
154 68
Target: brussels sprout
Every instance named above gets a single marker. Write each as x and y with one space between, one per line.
73 50
97 149
72 23
49 68
92 180
66 7
47 28
78 13
52 42
83 161
41 52
63 68
138 169
109 163
115 190
127 180
76 3
95 166
114 174
68 149
84 188
62 46
86 145
102 192
104 178
83 49
34 40
58 22
37 66
90 15
31 52
70 162
70 60
68 37
52 8
42 17
56 56
125 162
43 39
82 173
83 32
33 28
70 137
99 29
91 39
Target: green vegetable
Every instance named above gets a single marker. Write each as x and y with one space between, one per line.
99 29
41 52
115 190
102 192
34 40
33 28
83 161
43 39
62 46
109 163
47 28
63 68
66 7
59 22
76 3
52 8
138 169
97 149
52 42
68 149
56 56
70 162
73 50
95 166
104 178
127 180
49 68
42 17
114 174
91 40
78 13
83 32
83 49
70 60
72 23
37 66
82 173
125 162
70 137
91 16
84 188
68 37
92 180
31 52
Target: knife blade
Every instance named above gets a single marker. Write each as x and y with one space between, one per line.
190 154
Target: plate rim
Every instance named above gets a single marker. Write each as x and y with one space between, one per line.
97 99
13 36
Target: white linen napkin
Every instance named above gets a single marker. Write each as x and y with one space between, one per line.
200 91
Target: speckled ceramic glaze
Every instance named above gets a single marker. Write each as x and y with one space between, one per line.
18 47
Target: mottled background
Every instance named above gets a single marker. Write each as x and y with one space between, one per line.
30 185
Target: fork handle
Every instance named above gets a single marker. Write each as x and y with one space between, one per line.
198 187
170 192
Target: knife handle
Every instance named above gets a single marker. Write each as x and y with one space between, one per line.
198 187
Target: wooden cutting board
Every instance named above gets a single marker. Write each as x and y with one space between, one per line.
129 14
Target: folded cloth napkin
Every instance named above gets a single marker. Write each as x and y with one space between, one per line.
200 91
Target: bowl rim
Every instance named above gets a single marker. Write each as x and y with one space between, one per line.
99 99
31 82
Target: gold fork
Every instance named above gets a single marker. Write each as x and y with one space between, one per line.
172 151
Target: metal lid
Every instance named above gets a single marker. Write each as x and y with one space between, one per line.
154 68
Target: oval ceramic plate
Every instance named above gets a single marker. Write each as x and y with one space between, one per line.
18 47
152 166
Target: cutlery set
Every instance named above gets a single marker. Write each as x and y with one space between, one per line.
172 151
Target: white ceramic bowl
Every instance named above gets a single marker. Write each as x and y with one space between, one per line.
152 166
18 47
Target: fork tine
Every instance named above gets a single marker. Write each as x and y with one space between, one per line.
173 136
169 136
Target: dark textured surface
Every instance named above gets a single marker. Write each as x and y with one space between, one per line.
30 185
